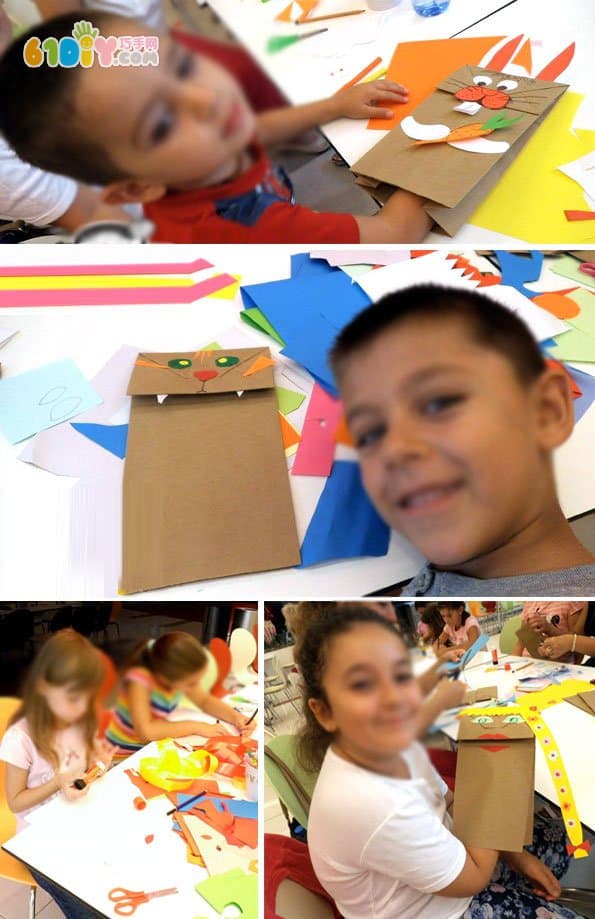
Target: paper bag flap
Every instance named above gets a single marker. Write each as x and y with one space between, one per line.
526 95
191 372
499 727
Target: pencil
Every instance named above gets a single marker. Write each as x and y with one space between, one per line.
309 19
362 73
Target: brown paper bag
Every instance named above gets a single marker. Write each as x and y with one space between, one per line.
585 701
483 694
493 805
531 640
206 490
450 177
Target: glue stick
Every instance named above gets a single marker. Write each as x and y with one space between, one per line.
495 657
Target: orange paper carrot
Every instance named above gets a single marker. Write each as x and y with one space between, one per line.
471 131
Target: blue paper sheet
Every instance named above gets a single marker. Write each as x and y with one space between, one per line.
236 807
41 398
344 524
303 265
587 386
111 437
470 653
518 269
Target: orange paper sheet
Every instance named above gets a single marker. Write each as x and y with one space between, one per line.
421 65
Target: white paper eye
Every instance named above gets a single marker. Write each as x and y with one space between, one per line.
507 85
513 719
482 80
483 719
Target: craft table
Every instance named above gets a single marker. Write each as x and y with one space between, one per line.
567 722
98 842
44 555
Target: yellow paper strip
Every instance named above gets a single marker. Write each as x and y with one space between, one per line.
78 282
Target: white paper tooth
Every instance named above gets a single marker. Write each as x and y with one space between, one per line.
240 392
161 398
468 108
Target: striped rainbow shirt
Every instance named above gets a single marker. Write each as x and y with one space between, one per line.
120 731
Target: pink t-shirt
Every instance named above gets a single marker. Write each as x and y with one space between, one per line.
18 749
461 636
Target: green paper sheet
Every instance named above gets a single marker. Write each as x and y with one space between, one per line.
213 346
233 887
568 267
574 345
254 317
288 399
585 321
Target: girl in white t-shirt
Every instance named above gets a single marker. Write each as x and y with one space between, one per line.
52 738
379 829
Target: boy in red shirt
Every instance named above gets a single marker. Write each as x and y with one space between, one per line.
181 138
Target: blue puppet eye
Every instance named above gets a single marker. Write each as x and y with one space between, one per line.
512 719
483 719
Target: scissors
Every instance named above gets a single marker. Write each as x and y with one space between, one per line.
588 268
127 901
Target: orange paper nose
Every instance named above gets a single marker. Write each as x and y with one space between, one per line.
204 375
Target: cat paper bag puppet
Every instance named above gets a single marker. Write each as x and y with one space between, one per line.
453 148
206 491
493 805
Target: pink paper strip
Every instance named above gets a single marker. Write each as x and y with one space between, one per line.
316 450
54 271
106 296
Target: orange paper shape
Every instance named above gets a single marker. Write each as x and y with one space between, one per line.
297 11
342 435
291 436
246 830
261 363
557 303
524 58
422 65
222 654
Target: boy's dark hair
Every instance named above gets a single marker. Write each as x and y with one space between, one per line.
313 741
490 324
38 115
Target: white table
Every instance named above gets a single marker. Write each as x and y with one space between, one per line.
98 842
44 557
573 729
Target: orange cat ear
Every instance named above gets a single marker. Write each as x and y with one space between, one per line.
558 65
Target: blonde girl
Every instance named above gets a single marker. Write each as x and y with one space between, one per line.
159 674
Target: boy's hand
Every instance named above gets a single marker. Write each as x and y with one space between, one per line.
365 99
544 883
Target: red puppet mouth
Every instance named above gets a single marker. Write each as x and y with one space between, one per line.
493 748
489 98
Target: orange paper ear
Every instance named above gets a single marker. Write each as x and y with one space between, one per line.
222 655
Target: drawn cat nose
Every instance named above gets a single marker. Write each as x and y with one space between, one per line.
204 375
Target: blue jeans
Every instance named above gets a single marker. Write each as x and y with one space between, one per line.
72 907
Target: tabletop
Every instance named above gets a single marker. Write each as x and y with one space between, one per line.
98 843
58 539
566 721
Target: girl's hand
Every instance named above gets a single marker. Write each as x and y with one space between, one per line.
103 751
66 779
450 693
241 723
556 647
544 883
365 100
452 654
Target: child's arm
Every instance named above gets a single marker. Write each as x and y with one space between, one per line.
50 8
447 694
278 125
148 728
477 871
559 645
402 219
518 649
20 798
427 680
472 636
221 710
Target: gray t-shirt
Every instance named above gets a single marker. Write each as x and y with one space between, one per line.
567 582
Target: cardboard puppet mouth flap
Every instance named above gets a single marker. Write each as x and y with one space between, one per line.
201 372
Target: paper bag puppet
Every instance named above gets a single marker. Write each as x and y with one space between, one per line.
531 640
585 701
493 805
483 694
206 490
453 147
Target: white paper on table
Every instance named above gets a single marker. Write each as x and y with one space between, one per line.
361 256
6 334
541 323
582 171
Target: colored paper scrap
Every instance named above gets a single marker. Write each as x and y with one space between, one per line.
422 65
142 268
41 398
233 887
361 256
303 265
569 267
574 345
111 437
343 435
291 437
230 292
579 215
261 363
255 318
558 303
288 399
529 200
74 282
586 383
317 447
344 523
582 171
584 320
519 268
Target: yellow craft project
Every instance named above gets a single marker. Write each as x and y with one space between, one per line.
531 707
171 772
530 199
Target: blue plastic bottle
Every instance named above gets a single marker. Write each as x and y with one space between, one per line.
430 7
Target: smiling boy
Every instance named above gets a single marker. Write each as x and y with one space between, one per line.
182 139
455 416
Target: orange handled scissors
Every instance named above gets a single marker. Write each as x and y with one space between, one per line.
128 901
